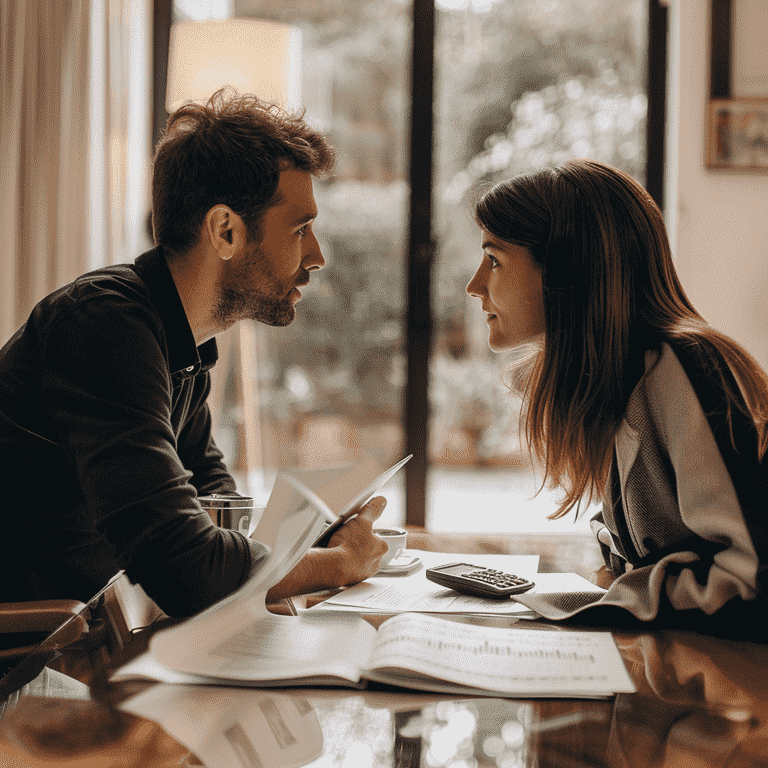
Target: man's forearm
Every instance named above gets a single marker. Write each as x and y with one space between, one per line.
319 569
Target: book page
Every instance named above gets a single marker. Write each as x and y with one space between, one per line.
286 647
337 486
291 522
358 488
276 649
522 662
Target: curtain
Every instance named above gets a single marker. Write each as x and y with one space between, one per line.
74 143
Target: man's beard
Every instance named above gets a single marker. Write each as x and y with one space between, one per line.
250 291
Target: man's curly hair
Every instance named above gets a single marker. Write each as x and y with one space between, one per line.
228 151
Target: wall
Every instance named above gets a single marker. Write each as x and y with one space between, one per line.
718 221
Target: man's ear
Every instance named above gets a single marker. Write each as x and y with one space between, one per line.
224 230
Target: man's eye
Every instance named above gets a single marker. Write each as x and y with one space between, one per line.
303 230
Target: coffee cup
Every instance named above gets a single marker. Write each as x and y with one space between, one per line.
395 539
238 513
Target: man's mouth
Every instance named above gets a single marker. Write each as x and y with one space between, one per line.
297 285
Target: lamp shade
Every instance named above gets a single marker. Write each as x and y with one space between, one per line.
250 55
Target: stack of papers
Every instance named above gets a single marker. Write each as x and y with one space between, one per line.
238 642
415 593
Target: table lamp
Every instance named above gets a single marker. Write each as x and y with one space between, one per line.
251 55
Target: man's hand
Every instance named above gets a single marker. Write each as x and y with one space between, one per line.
353 554
359 547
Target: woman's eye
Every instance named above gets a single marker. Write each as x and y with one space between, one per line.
494 261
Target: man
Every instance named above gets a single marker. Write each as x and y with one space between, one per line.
105 434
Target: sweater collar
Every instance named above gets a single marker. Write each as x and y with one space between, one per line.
185 358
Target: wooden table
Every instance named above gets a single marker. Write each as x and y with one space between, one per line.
701 702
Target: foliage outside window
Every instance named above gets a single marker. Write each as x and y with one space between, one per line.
519 85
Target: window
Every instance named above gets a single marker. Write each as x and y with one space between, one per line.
517 85
330 386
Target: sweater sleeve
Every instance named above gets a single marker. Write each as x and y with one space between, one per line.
698 442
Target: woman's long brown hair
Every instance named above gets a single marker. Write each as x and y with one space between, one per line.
610 293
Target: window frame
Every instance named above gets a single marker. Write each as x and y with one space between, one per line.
421 243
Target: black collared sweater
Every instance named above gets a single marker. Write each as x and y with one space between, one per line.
105 444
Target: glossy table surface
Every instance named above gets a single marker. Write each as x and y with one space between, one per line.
701 701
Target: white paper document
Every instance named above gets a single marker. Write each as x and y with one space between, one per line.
238 642
428 653
417 594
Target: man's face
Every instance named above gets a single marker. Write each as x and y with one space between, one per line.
262 281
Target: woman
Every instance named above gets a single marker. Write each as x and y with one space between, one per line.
630 397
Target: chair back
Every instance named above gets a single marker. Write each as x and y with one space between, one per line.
70 636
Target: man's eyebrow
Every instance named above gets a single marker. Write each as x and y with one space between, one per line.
303 217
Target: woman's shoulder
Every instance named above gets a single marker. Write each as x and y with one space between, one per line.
689 380
692 374
666 392
696 358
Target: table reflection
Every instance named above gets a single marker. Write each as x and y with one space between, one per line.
701 702
699 699
234 727
470 733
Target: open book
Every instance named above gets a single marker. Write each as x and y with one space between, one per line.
410 650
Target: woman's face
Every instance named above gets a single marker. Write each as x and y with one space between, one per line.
508 284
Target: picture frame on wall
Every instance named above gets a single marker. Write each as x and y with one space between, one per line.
737 135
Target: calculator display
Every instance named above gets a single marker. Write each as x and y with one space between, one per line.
459 569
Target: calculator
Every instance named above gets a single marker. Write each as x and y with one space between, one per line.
478 581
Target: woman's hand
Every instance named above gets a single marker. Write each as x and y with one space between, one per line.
603 577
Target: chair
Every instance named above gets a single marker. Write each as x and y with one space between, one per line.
73 637
36 634
23 626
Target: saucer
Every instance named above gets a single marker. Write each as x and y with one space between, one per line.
400 565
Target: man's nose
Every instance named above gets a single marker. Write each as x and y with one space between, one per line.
314 258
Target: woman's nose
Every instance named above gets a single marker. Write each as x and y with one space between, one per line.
474 286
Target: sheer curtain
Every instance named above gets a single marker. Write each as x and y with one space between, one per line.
74 143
